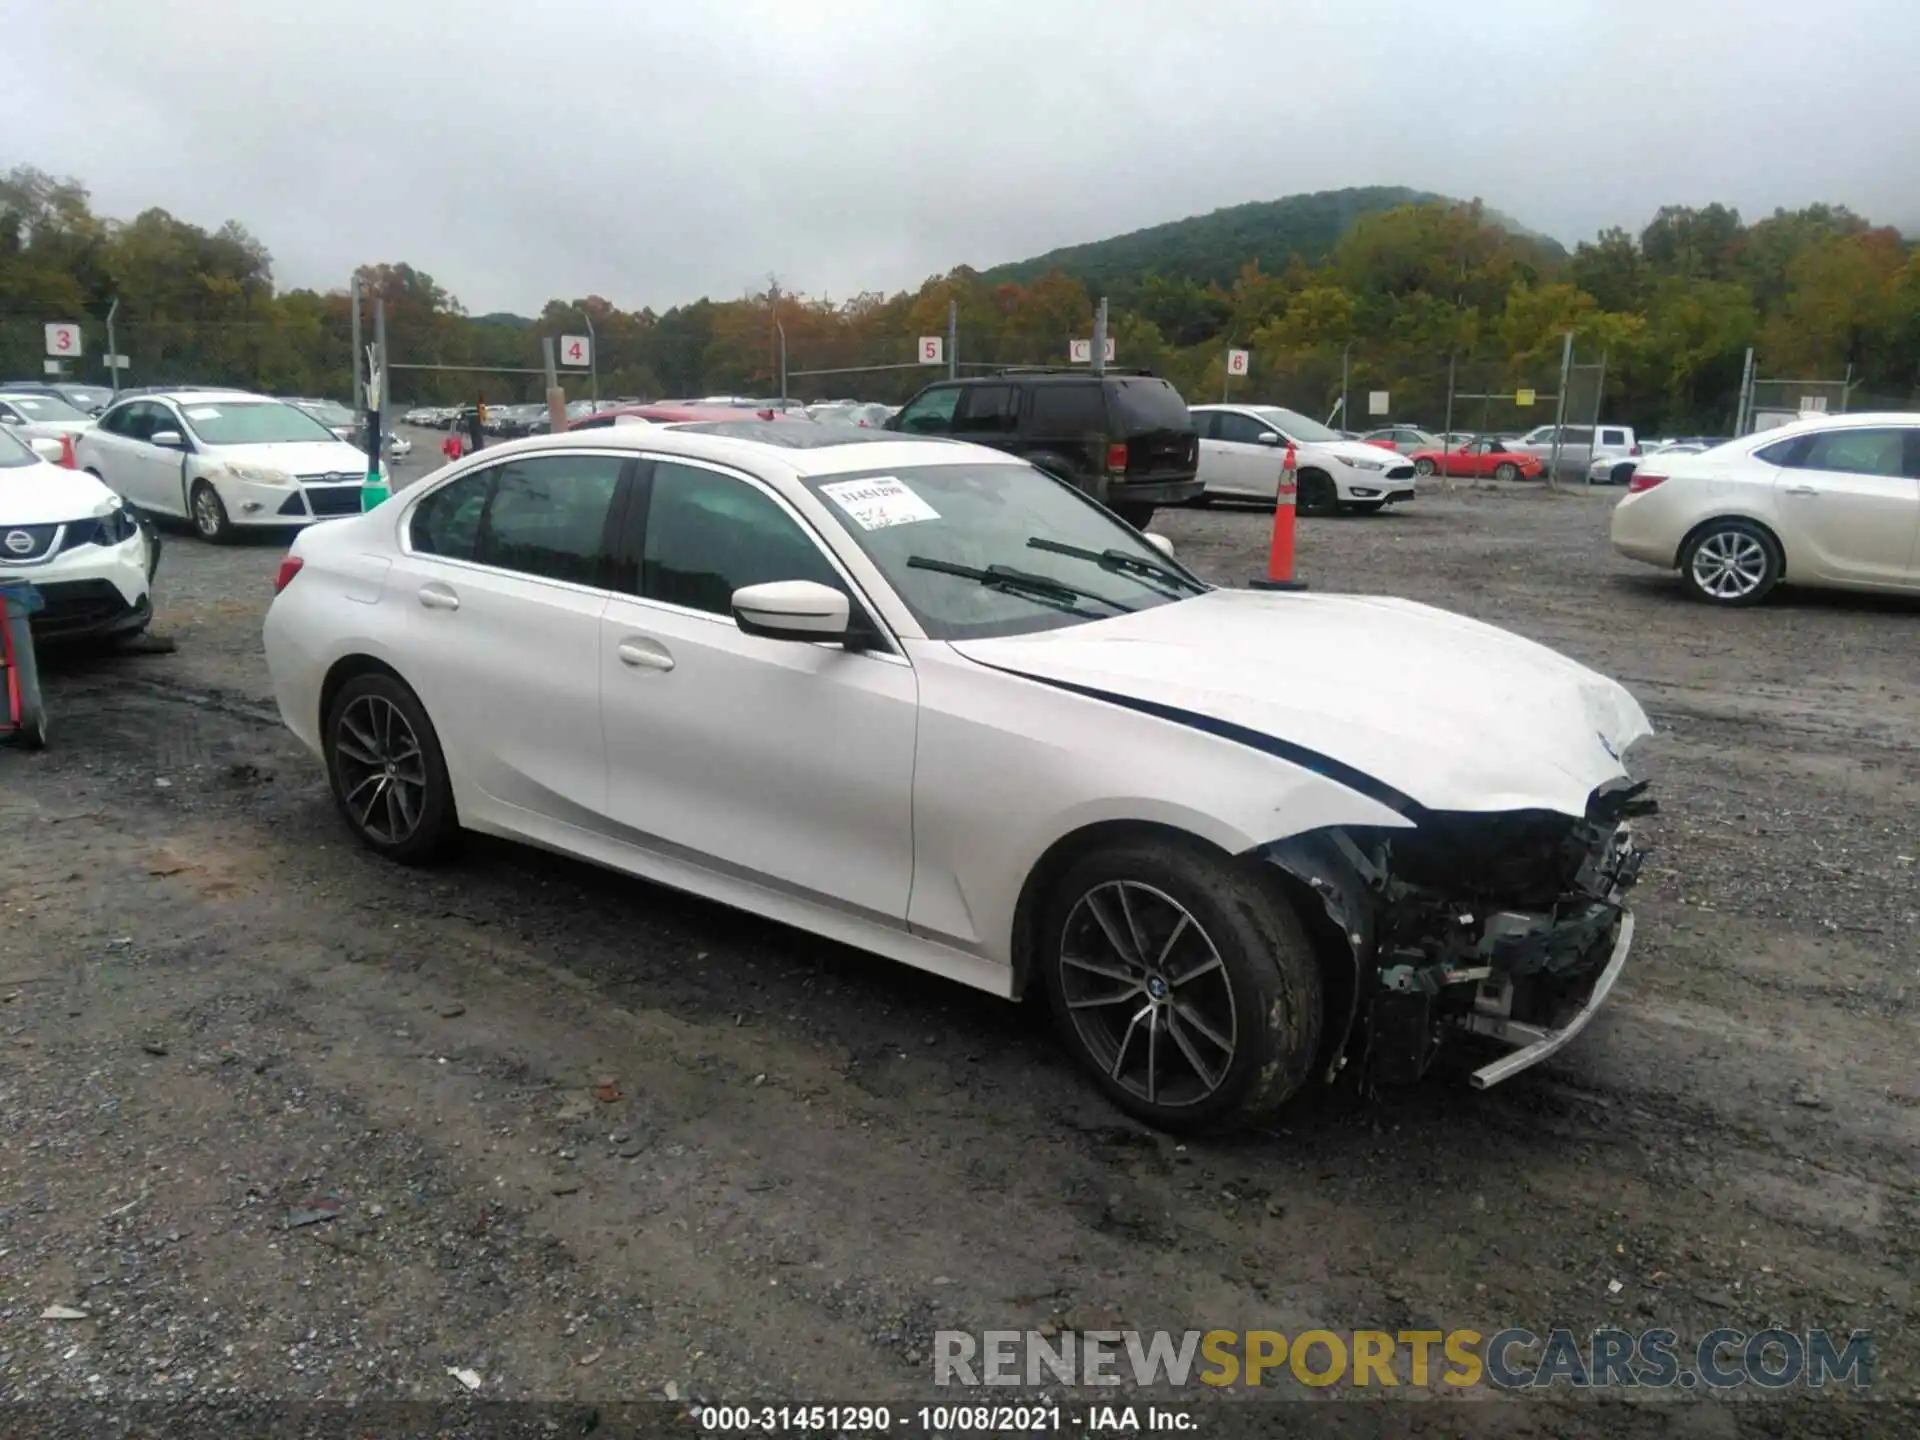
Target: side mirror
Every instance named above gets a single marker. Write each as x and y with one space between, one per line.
11 420
1159 542
49 450
168 440
1267 437
802 610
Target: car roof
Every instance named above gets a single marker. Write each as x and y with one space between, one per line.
1849 421
205 397
801 450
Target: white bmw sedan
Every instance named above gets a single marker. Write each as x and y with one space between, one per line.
1833 501
924 699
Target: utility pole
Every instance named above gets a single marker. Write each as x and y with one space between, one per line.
953 339
1743 408
1346 364
556 397
780 335
1560 409
113 346
359 388
1099 356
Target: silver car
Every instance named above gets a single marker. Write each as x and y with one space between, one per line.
1580 446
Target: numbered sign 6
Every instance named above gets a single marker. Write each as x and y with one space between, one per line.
63 340
1236 362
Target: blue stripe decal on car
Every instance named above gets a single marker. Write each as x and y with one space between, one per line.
1336 770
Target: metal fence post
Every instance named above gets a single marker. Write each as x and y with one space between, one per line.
953 339
1099 356
1446 435
359 386
1743 407
1560 410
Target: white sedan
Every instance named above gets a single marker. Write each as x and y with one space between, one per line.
1243 447
921 698
79 546
1833 501
223 460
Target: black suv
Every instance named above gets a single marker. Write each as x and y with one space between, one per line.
1123 437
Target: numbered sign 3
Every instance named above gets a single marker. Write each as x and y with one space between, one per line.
63 340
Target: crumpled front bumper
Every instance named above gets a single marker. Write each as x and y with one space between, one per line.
1537 1042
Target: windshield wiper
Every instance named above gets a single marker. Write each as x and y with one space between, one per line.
1005 577
1115 559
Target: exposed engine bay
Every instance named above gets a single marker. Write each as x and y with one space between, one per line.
1511 926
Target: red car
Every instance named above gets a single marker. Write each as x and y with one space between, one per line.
1482 457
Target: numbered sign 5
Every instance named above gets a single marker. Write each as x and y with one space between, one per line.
63 340
576 350
933 350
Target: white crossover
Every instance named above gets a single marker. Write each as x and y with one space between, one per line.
1243 449
223 460
82 549
920 697
1832 501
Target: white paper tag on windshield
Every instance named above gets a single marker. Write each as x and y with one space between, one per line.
880 502
204 412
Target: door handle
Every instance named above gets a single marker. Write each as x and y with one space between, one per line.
644 655
1806 490
435 596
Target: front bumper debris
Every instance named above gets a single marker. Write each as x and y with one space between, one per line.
1510 928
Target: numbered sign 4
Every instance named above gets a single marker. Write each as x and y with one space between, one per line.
576 350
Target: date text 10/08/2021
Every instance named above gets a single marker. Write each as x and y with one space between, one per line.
943 1419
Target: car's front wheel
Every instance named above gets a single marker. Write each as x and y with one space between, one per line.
210 520
1136 513
1182 981
1507 471
1317 494
1731 562
1424 467
388 775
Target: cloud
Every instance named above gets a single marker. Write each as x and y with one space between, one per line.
652 154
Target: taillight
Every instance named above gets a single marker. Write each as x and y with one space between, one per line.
1634 450
289 568
1117 458
1640 480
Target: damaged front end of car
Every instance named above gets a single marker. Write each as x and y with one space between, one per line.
1510 926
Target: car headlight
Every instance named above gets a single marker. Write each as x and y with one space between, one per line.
1366 464
260 474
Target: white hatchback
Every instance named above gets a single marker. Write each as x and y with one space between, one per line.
1833 501
1243 447
922 698
223 460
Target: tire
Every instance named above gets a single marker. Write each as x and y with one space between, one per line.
1731 562
375 727
1425 467
1136 513
209 514
34 726
1317 494
1622 474
1507 471
1248 976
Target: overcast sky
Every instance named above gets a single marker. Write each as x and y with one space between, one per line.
518 150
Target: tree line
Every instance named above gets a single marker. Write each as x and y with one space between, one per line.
1406 297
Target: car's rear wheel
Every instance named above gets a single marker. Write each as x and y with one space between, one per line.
1317 494
388 775
1731 562
1135 512
1182 981
1507 471
210 520
1424 467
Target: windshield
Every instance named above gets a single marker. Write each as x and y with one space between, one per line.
45 407
90 396
253 422
15 453
979 516
1295 426
327 412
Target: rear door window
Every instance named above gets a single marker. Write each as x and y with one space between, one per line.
547 516
1239 429
1205 423
987 410
447 522
1855 452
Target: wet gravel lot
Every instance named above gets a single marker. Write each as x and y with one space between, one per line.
286 1121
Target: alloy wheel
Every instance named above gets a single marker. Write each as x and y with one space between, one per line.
1147 993
1729 564
383 771
206 511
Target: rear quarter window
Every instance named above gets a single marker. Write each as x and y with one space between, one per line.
1067 410
1142 403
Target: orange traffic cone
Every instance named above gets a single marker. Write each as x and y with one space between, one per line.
68 460
1279 574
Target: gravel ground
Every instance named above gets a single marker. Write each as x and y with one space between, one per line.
288 1122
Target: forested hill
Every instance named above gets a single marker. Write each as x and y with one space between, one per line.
1212 249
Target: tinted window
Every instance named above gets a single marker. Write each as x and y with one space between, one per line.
1239 429
1141 404
1067 410
932 412
144 418
15 454
1856 452
1577 435
1782 452
1613 437
709 534
447 522
547 516
988 409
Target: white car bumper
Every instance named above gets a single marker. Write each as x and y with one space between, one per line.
250 502
1374 487
91 591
